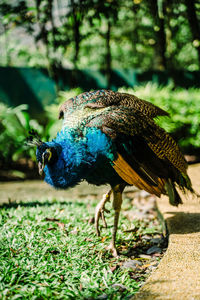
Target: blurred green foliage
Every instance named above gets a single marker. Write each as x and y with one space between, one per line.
15 124
183 123
144 34
183 107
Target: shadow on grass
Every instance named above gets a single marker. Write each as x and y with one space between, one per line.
38 203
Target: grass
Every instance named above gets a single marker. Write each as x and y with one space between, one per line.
49 250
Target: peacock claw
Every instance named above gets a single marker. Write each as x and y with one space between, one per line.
112 249
99 212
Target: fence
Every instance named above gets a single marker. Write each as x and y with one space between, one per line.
35 88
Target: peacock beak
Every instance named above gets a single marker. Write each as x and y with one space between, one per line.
40 168
46 156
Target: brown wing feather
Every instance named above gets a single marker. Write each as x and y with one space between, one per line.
131 177
106 98
123 120
117 99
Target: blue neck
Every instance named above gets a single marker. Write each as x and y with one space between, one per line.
78 156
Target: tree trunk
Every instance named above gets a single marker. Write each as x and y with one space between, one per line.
160 32
169 33
194 24
76 29
108 55
135 35
6 43
77 39
54 64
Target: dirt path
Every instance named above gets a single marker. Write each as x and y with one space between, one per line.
178 274
35 189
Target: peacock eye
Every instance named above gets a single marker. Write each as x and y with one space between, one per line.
46 156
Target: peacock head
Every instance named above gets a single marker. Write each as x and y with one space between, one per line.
47 154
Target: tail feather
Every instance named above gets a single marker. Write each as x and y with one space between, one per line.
185 183
174 197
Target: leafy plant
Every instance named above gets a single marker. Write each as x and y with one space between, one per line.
14 126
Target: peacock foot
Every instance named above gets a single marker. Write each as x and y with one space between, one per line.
99 212
112 249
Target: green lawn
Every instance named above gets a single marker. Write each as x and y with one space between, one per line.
48 249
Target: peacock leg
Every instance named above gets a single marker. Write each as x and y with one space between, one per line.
99 212
117 202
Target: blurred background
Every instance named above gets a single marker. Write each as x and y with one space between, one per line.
51 50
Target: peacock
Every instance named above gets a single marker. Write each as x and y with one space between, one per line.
111 138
